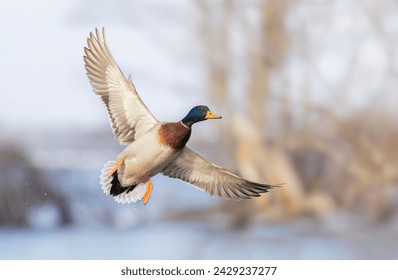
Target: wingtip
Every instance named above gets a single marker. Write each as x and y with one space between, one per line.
97 35
98 32
278 185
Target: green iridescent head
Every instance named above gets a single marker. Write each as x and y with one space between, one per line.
198 114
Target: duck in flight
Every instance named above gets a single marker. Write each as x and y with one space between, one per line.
153 147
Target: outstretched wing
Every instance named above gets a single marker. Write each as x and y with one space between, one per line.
194 169
129 116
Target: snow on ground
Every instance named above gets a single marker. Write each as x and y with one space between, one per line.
201 240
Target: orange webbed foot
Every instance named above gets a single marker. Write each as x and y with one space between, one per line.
148 192
120 163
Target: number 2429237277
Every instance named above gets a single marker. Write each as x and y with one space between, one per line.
244 270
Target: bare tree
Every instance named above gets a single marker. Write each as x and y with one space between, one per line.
328 156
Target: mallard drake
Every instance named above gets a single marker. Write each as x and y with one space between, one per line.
153 147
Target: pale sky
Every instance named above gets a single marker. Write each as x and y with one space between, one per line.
44 82
43 79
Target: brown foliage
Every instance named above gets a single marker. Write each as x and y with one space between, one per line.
327 158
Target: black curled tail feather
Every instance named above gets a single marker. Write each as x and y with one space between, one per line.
117 187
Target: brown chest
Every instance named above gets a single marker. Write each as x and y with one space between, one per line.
174 135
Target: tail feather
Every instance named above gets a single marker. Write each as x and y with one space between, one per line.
117 187
112 186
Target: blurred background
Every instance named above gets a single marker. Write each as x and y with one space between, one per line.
308 95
